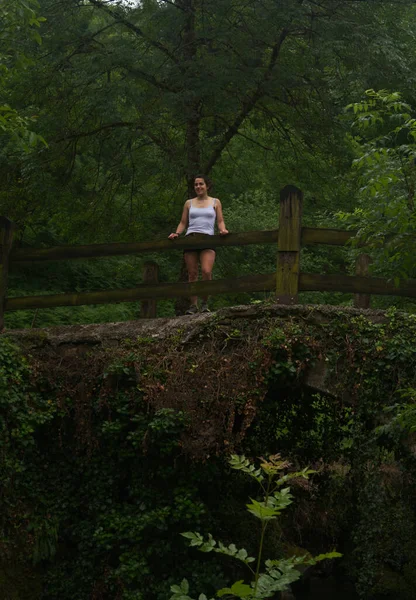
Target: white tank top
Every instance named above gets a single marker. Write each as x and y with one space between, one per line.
202 220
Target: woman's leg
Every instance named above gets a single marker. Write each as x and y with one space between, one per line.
207 258
191 260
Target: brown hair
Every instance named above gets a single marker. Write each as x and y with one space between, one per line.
206 179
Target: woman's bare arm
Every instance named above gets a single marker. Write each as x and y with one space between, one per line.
220 219
183 223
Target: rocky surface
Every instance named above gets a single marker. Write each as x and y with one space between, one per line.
111 334
79 339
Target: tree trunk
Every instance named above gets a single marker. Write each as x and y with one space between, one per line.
192 141
192 102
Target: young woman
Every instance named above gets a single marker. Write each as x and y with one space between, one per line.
198 217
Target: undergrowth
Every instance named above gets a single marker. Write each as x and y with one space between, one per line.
107 455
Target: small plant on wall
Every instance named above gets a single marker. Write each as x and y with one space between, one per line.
272 576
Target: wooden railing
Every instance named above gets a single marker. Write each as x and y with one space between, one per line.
287 281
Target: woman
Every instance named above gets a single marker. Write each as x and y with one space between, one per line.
198 217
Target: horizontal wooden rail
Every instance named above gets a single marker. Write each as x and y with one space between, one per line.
311 282
332 237
250 283
310 235
99 250
286 282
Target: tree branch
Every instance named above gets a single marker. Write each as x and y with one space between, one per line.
152 80
118 16
249 104
255 142
81 134
165 146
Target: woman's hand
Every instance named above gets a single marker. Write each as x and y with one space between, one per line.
173 236
224 231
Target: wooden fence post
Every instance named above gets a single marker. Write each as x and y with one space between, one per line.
288 254
7 228
361 268
150 275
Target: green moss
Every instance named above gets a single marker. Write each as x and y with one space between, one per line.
392 585
121 453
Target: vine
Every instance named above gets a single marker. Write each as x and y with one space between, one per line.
109 454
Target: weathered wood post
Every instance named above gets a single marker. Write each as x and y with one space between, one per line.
361 268
7 228
150 275
288 254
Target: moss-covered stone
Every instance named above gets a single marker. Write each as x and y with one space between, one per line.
116 436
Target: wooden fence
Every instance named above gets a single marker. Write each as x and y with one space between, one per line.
287 281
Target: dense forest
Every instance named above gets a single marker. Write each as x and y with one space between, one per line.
108 110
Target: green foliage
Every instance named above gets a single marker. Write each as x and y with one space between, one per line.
98 480
401 417
383 136
278 574
132 110
79 276
85 487
26 527
374 366
211 545
17 17
22 410
386 560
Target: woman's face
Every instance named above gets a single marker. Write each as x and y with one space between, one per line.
200 186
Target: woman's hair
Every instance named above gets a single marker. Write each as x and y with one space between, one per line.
206 179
